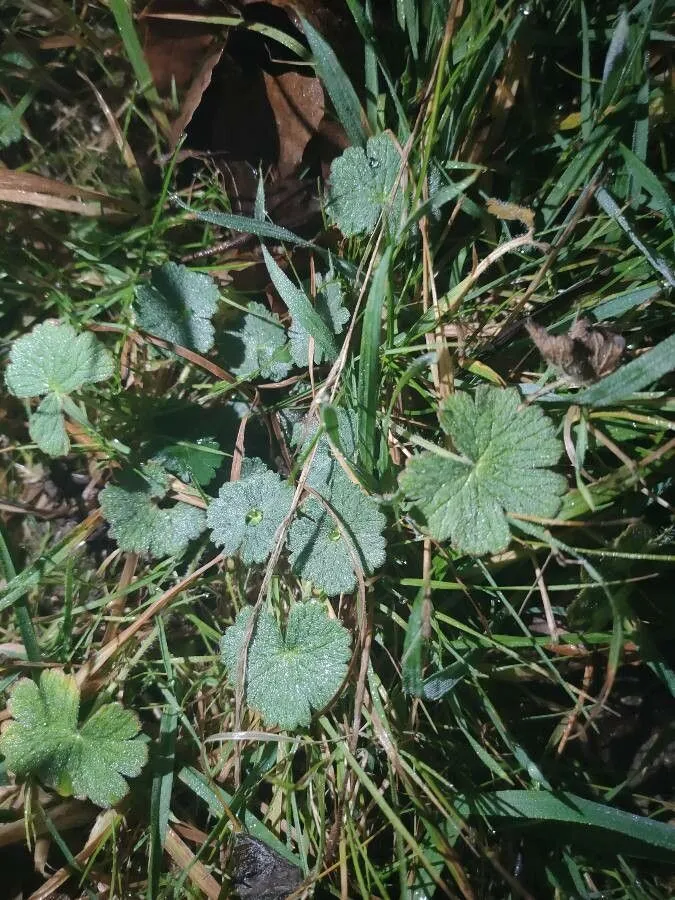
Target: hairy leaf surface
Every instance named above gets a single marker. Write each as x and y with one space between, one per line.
44 740
178 305
289 676
505 450
362 185
245 515
139 525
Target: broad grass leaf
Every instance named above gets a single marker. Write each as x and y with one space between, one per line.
329 306
44 740
506 450
304 314
177 306
337 84
287 676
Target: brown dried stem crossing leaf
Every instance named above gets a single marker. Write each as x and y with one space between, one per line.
583 355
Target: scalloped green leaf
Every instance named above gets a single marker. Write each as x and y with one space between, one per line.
54 358
47 427
323 551
258 347
330 308
246 514
506 448
362 186
177 306
288 676
44 740
140 525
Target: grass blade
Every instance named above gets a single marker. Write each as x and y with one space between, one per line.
339 87
369 363
634 376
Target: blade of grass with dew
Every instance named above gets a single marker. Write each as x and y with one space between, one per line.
368 390
21 611
634 376
121 10
339 87
246 225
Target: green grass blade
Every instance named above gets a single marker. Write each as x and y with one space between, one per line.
246 225
634 376
368 391
121 10
160 798
339 87
565 807
643 177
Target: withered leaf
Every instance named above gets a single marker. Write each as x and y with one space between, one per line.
260 872
586 353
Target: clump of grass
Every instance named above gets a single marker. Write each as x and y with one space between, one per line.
501 715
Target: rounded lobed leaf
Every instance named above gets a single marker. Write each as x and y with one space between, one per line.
286 678
506 447
258 346
246 514
54 358
323 552
362 184
43 740
178 305
139 525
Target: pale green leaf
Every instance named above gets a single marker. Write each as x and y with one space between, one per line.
289 676
177 306
325 552
303 313
258 347
140 525
506 449
47 427
54 358
362 185
43 740
10 126
329 306
246 514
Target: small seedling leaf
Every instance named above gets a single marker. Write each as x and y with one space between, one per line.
329 307
196 461
44 740
323 551
289 676
361 186
47 427
246 514
304 314
53 358
139 525
10 126
177 306
503 469
264 345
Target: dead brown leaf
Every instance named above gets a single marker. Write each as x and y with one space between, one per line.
583 355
